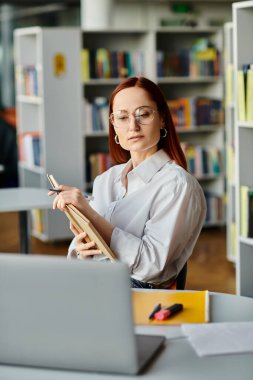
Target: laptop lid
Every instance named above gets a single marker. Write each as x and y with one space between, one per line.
67 314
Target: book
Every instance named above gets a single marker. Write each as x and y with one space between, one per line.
195 306
244 209
250 213
249 95
83 224
241 101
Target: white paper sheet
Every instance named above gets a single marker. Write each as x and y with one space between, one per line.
220 338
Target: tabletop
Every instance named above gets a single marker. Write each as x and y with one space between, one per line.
23 199
178 360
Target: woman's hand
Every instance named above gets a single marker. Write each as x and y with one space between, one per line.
82 248
69 195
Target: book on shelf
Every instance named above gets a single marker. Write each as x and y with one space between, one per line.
27 80
83 224
196 111
37 221
249 94
201 59
29 148
214 207
246 211
241 100
96 115
102 63
195 306
202 160
99 163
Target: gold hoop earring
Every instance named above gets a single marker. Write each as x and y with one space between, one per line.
116 138
163 133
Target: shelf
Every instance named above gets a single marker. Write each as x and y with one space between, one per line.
29 99
215 224
188 29
35 169
199 129
150 41
97 134
209 177
188 80
103 82
244 124
45 120
248 241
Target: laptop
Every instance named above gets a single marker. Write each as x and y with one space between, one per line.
70 314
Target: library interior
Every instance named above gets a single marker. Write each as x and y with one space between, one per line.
60 61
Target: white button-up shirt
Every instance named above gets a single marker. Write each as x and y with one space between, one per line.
157 217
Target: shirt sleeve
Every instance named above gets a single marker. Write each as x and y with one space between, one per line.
176 219
71 250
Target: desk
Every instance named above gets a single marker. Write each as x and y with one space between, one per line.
23 199
178 360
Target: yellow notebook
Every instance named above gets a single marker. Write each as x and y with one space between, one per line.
195 306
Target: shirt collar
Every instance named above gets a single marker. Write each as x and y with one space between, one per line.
147 169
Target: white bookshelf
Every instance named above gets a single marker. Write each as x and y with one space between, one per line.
230 142
48 102
243 54
149 41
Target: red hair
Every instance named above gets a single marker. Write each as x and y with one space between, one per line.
170 144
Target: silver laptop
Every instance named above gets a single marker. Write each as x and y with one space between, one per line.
70 314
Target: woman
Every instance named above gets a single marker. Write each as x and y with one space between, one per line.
147 208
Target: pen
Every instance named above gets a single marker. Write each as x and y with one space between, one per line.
87 197
55 190
155 310
164 314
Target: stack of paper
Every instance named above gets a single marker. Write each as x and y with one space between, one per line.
220 338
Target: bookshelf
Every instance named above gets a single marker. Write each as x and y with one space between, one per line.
243 55
230 142
49 130
207 138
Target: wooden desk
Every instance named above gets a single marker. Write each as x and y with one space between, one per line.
24 199
177 361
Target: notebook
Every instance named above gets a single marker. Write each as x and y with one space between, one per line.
83 224
70 314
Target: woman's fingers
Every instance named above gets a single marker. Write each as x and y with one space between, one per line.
73 229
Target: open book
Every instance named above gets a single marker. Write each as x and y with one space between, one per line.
82 224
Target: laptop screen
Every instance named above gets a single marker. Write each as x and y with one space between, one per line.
66 314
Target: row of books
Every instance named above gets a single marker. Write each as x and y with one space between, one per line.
97 163
196 111
246 214
185 112
29 145
27 80
104 63
245 93
188 62
215 208
202 160
96 115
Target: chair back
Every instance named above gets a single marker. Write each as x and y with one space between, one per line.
181 278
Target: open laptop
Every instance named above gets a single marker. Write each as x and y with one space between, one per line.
70 314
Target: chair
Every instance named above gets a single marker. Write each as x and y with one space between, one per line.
181 278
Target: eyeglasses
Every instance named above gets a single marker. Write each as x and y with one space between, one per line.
143 115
